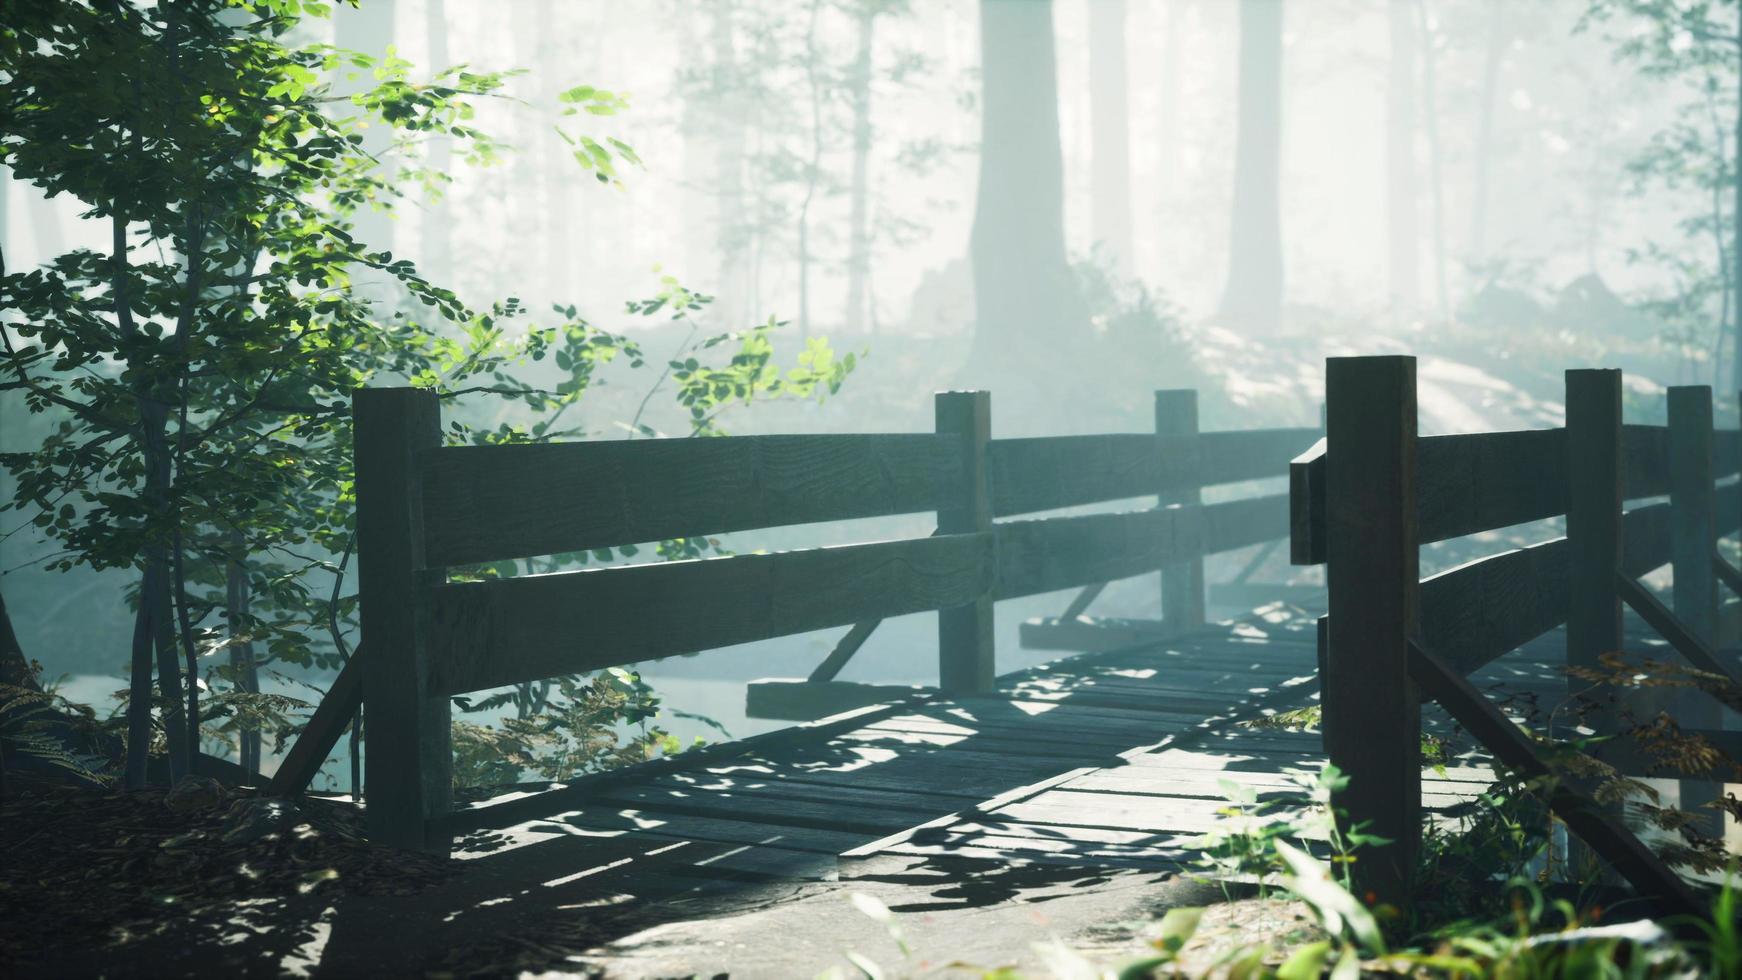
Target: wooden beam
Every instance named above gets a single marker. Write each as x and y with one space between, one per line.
1727 573
786 699
967 656
1049 472
1670 626
1235 524
487 503
845 650
1594 528
1726 452
1081 602
331 718
1306 507
1489 480
1694 533
1372 715
409 773
1087 635
1481 611
505 631
1037 556
1250 454
1645 461
1599 827
1182 581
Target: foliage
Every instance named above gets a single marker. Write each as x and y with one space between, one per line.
198 371
36 724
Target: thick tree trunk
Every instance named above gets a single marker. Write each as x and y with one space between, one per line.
1403 235
1110 124
1253 298
1026 301
14 665
859 188
1493 58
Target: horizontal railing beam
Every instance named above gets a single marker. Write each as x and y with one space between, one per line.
506 631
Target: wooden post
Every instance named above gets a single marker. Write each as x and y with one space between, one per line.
1182 583
1372 714
966 658
1593 524
409 768
1695 595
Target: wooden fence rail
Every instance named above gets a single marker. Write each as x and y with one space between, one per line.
425 509
1367 497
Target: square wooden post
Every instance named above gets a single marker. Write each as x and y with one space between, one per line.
1695 593
1594 499
967 663
409 767
1372 712
1182 583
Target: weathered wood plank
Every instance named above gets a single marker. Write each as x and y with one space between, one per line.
1483 481
487 503
1693 535
1644 461
1726 452
1182 582
1250 454
492 633
1372 715
1595 536
790 699
408 776
1306 506
331 718
1645 538
1050 472
967 651
1236 524
1595 825
1062 552
1478 612
1668 625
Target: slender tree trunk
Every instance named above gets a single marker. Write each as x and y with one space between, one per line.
1401 196
812 169
1026 301
1430 107
1736 235
1253 297
1491 63
437 248
238 594
858 220
1110 123
729 167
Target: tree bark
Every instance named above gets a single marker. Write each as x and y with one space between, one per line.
1110 125
1401 196
859 192
1253 297
1492 61
1024 293
14 665
238 595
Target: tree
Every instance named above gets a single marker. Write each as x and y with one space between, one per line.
1253 296
1695 45
1025 298
1402 234
1110 124
859 184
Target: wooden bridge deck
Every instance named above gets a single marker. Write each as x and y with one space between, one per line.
1108 760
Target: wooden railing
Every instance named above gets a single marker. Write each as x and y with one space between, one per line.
423 508
1373 491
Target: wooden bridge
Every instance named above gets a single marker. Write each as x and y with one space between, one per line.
1111 758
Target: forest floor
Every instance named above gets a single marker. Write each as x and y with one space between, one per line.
211 882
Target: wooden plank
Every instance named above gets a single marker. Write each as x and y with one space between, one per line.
1081 602
1306 506
1644 461
1727 573
408 775
1594 523
1483 481
1478 612
844 650
1670 626
505 631
967 652
1252 595
790 699
1595 825
1250 454
1236 524
1050 472
1182 582
872 848
1372 716
515 806
1086 634
1726 452
1693 533
1037 556
779 811
1645 539
487 503
331 719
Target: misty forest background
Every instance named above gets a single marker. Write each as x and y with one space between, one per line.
1070 204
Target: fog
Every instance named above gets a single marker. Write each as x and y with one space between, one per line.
1193 193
